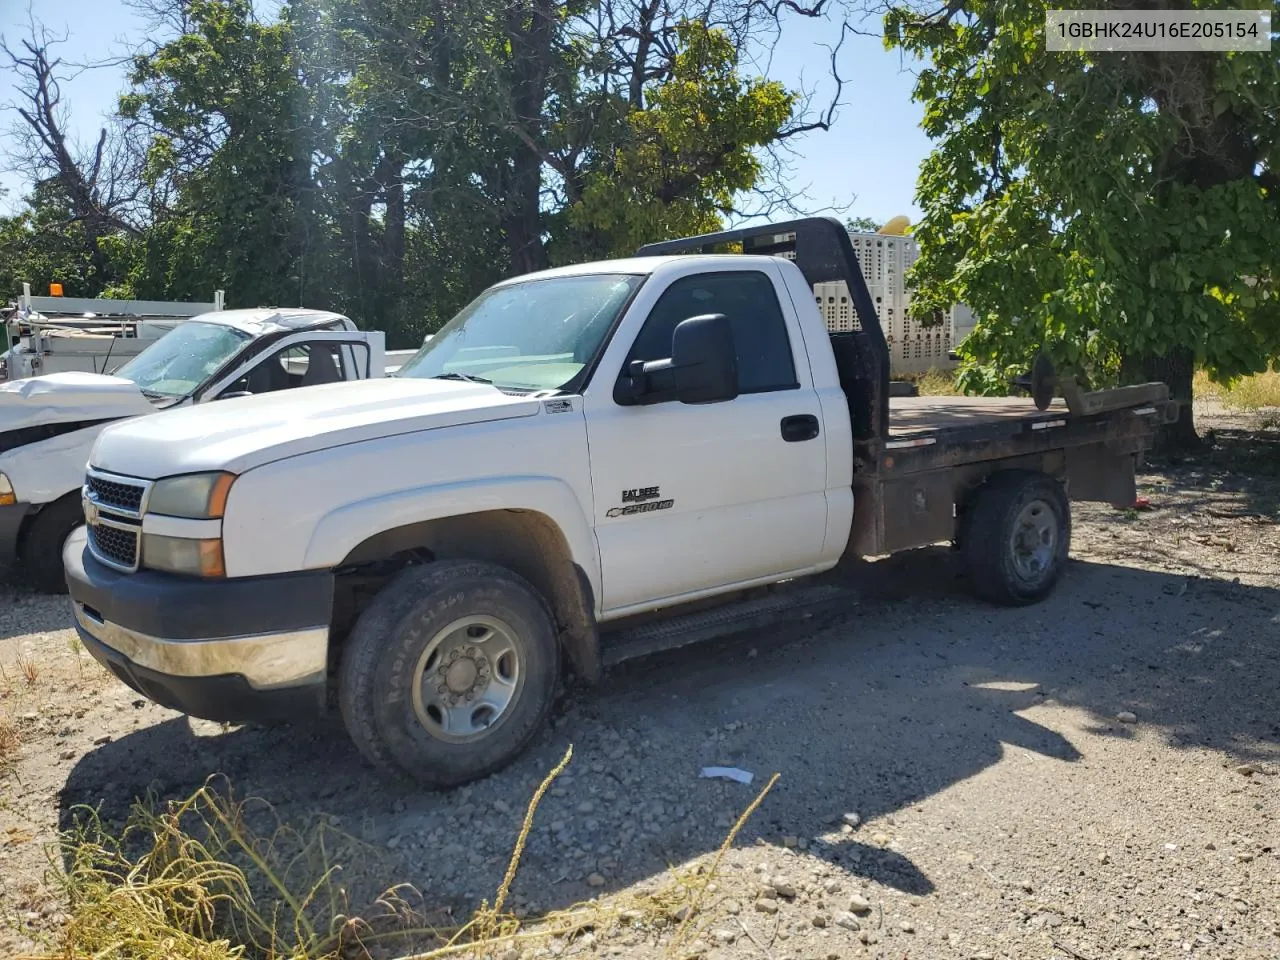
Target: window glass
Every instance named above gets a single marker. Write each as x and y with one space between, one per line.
529 335
299 365
748 299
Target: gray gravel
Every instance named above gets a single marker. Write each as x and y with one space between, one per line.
1093 777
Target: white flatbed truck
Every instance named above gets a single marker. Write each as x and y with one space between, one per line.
585 465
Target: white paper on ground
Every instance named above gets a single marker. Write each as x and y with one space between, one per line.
728 773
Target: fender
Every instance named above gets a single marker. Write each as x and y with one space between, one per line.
343 529
45 470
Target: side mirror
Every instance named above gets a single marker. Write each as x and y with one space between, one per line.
703 367
235 394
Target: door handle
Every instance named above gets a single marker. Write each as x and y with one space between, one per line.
802 426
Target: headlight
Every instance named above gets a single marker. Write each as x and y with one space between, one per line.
7 496
197 496
197 558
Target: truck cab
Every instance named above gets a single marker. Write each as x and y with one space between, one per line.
48 423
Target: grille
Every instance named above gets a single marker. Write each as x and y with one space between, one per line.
112 493
115 545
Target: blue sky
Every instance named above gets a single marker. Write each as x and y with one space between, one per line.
872 152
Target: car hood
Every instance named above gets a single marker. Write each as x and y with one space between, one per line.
68 398
240 434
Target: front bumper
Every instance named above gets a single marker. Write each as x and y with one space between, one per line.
11 517
252 648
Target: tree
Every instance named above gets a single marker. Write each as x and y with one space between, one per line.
679 162
233 144
96 190
863 224
1119 210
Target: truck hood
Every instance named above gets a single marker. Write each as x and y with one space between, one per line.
240 434
68 398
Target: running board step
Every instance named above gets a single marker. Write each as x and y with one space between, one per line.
639 641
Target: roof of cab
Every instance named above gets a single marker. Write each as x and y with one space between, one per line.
259 320
635 266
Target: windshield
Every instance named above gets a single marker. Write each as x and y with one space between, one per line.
183 358
531 335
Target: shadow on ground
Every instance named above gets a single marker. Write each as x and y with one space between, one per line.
911 691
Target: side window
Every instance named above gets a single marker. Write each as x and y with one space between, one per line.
299 365
748 299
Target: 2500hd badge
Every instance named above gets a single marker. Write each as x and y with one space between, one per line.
639 500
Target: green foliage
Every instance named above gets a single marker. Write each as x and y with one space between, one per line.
45 244
1110 207
685 156
863 224
390 158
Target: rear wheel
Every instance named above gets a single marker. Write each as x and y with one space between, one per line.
450 672
1015 537
41 551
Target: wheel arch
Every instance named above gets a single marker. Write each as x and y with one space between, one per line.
528 542
29 520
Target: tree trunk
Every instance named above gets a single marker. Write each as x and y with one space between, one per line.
522 224
1177 369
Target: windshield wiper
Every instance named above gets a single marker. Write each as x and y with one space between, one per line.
461 376
152 395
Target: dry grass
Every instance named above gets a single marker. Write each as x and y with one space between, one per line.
1249 393
196 880
10 743
28 669
935 383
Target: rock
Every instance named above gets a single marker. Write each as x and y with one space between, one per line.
586 806
847 920
852 819
725 935
1124 716
68 754
393 843
819 920
859 904
881 839
511 954
1104 858
595 880
833 886
791 842
783 888
906 926
767 905
1247 769
102 740
733 907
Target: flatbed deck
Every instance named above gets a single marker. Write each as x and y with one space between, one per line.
916 416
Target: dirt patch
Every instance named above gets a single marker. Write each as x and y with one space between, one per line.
1090 777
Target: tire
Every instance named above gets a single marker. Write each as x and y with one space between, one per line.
40 554
427 621
1015 537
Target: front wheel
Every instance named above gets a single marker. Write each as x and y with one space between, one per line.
450 672
1015 538
41 551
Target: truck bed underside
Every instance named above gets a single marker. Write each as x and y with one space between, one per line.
918 416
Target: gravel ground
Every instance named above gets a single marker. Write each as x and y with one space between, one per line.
1089 778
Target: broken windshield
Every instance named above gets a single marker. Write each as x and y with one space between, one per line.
183 358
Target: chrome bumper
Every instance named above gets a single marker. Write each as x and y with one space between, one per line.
265 661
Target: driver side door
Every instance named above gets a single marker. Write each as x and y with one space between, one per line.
694 498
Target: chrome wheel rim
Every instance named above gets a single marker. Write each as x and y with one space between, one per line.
467 678
1033 543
